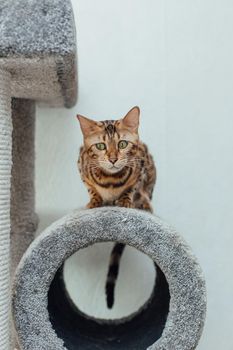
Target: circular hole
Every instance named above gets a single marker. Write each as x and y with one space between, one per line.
85 274
86 329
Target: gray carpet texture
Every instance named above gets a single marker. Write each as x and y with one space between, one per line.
23 218
38 48
35 320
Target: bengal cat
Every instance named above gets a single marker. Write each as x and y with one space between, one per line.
117 170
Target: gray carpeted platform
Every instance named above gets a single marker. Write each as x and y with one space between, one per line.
46 319
38 48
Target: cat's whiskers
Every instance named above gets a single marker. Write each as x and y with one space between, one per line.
93 167
134 162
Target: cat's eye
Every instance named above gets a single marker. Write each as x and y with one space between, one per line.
122 144
100 146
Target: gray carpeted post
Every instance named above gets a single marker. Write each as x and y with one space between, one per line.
23 217
37 65
5 181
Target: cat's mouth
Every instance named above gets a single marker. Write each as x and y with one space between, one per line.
113 169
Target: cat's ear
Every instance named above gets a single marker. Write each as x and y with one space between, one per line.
87 125
131 120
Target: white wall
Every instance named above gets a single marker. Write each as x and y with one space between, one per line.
174 60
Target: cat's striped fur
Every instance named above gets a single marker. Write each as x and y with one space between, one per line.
118 170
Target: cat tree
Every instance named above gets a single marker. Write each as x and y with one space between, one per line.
173 318
37 64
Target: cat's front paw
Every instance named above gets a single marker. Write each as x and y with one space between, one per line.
92 205
124 203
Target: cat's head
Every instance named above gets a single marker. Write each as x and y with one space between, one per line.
111 144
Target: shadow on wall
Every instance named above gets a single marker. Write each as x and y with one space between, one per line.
47 218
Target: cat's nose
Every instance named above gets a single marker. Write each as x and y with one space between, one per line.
113 160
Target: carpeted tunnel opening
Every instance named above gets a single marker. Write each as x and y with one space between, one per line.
78 331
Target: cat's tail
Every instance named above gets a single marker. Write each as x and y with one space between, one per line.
113 272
